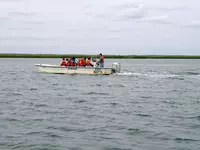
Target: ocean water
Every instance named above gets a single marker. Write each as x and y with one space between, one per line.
150 105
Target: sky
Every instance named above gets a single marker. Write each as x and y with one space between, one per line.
129 27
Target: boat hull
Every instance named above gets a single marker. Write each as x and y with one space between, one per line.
74 70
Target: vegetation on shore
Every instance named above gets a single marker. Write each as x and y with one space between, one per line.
3 55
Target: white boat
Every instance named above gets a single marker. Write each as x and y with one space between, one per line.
56 69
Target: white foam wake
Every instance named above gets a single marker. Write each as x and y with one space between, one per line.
150 74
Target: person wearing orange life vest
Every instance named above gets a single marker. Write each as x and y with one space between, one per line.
63 63
81 62
71 62
101 60
88 63
67 62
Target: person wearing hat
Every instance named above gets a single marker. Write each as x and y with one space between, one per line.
101 60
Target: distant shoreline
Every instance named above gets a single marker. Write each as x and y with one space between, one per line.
3 55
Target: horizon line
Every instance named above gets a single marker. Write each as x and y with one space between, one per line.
97 54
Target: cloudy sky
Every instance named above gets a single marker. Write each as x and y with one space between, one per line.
107 26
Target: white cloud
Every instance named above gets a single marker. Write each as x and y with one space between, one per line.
156 19
133 11
90 26
195 23
166 8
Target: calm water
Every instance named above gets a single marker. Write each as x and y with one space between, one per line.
150 105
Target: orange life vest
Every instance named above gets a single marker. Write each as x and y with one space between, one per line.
72 63
81 62
88 63
101 59
63 63
67 63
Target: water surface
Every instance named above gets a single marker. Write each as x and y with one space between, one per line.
150 105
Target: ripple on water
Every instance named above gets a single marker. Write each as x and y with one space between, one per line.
14 94
33 133
143 115
75 148
189 73
147 107
27 146
80 101
110 148
176 78
97 85
114 104
33 89
146 97
96 93
117 85
185 140
12 73
66 129
136 131
41 105
51 134
195 117
195 126
12 119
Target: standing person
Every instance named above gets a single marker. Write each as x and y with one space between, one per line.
101 60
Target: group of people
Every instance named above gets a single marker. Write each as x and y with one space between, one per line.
83 62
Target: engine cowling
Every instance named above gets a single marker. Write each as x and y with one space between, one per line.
116 67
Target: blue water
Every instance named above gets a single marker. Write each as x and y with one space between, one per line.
150 105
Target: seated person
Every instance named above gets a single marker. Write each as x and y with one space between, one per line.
67 62
81 62
63 63
74 59
71 62
89 63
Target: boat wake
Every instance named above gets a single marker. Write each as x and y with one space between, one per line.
125 74
160 75
149 74
189 73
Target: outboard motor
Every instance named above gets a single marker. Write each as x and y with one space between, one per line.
116 67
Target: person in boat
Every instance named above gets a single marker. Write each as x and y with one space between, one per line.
74 59
88 63
101 60
94 63
85 59
71 62
81 62
67 62
63 63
